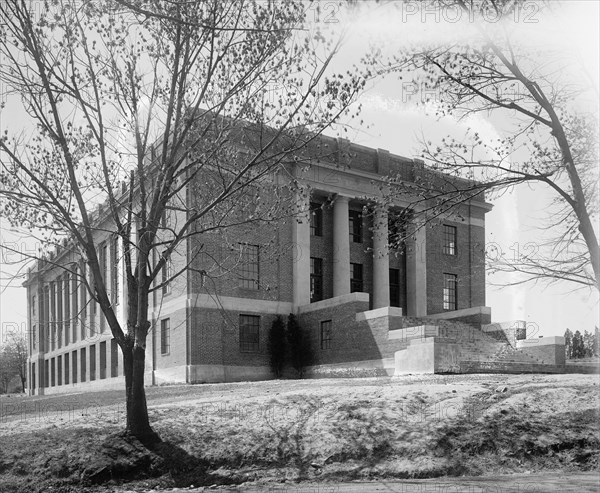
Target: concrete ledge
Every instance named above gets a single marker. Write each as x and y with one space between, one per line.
114 383
174 374
465 312
333 302
227 373
386 311
417 332
232 304
542 341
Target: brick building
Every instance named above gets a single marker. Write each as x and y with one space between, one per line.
330 265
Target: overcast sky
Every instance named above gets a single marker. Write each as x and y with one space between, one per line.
569 37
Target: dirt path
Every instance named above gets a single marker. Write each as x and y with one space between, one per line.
516 483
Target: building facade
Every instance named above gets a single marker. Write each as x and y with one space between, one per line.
331 265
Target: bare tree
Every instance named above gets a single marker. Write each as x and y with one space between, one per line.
552 143
192 105
14 360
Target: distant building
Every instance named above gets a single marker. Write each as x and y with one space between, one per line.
330 266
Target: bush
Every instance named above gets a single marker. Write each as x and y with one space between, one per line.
300 349
276 346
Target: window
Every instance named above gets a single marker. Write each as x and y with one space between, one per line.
326 334
59 309
33 306
67 368
75 300
249 333
84 303
249 266
114 277
53 372
356 277
83 364
316 279
33 337
167 272
394 287
165 336
102 360
450 282
355 226
449 245
114 358
59 370
92 362
67 286
74 359
316 219
104 270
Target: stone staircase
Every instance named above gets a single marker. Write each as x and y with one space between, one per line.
463 348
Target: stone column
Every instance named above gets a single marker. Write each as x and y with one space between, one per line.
341 247
416 273
301 251
381 259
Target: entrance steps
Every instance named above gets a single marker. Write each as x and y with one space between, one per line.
442 346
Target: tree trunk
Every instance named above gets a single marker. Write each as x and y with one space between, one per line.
138 423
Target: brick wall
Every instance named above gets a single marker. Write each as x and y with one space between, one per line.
214 338
468 264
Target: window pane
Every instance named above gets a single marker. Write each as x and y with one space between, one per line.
316 279
248 269
316 219
449 245
249 333
449 294
326 334
165 336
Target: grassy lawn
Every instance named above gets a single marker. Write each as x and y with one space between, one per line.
304 430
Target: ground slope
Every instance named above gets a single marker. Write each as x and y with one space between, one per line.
305 430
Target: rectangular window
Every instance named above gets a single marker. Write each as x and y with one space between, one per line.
34 337
67 369
449 245
59 310
92 362
53 372
74 359
104 269
316 219
249 333
356 277
83 364
249 275
114 263
102 360
394 287
67 297
326 334
114 358
84 303
450 284
316 279
53 315
165 336
59 369
33 306
167 272
75 301
355 226
46 373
